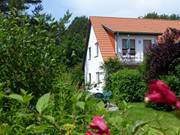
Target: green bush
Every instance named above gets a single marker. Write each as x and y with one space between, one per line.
128 85
66 112
173 81
28 54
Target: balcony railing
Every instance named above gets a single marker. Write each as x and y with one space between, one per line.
130 59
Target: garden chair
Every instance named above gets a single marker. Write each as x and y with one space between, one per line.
105 96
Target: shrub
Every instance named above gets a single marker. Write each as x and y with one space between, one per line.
162 62
112 65
67 111
173 81
162 57
128 85
28 55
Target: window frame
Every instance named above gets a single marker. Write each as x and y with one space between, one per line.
132 46
97 49
145 48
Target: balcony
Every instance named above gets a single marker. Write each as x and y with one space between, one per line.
130 59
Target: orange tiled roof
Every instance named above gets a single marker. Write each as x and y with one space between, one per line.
106 39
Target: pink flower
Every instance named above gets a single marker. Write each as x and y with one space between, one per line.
161 40
159 92
99 126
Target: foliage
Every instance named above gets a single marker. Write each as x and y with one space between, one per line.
173 78
160 107
173 81
79 26
19 5
128 85
112 65
29 56
73 43
65 112
162 62
164 56
154 15
166 123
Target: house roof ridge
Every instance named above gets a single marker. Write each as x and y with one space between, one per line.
133 18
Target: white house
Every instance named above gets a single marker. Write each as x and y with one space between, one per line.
126 38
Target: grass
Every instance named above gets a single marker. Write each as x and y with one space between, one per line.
168 121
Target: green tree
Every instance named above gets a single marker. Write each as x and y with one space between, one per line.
29 55
19 5
79 25
154 15
73 43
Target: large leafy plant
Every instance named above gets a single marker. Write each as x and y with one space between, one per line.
29 54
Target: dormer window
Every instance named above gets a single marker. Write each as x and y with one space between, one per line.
128 46
97 49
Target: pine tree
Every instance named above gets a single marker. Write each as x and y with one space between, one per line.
19 5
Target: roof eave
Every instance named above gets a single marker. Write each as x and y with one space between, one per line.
137 33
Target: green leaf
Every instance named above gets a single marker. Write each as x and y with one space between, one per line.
24 115
87 97
50 118
81 105
138 125
16 97
43 102
37 129
79 96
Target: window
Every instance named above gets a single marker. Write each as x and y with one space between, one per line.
90 78
128 44
98 77
89 53
97 49
146 44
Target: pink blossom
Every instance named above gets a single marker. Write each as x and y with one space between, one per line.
159 92
161 40
99 126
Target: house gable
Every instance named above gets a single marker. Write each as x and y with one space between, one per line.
93 62
105 29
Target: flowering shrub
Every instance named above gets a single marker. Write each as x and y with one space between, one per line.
160 58
162 61
160 93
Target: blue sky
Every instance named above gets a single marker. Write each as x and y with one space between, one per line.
116 8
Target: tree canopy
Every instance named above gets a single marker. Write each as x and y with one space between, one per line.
19 5
154 15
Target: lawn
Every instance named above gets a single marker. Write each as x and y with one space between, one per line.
168 121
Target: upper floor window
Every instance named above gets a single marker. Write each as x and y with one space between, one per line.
128 46
146 45
89 53
97 49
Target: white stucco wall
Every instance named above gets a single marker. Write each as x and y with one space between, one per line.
93 65
138 44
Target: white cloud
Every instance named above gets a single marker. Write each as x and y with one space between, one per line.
120 8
